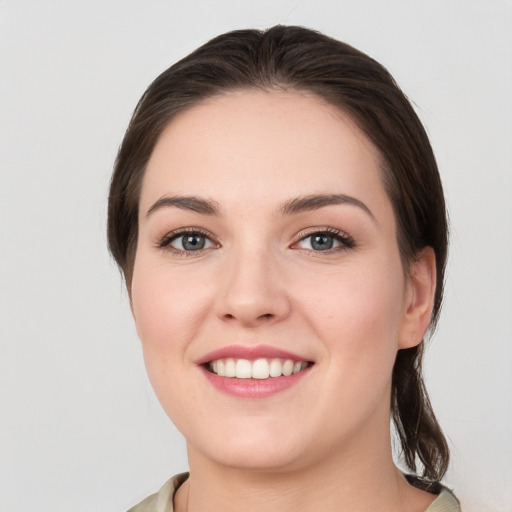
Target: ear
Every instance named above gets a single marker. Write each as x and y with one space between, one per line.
421 288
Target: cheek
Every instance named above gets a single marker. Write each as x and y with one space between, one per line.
358 313
161 300
166 308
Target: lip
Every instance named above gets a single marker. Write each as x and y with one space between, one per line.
252 388
251 353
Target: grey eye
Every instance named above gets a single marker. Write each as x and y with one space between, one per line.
320 242
191 242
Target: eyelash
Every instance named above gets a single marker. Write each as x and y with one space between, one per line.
166 241
346 242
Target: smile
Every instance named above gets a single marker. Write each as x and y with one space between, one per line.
262 368
254 372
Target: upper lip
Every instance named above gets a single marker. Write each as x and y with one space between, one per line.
249 352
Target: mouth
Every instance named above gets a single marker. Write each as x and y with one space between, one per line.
262 368
253 371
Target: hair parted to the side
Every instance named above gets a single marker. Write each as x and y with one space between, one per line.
296 58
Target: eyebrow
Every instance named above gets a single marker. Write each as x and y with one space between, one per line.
191 203
317 201
293 206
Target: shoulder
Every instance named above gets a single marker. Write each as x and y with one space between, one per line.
162 501
445 502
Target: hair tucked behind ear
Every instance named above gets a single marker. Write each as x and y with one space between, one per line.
295 58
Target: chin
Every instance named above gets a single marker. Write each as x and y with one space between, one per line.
255 448
260 460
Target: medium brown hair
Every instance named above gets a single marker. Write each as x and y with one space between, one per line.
296 58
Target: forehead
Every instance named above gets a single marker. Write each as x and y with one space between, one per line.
255 143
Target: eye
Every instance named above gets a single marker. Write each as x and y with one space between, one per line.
187 241
325 240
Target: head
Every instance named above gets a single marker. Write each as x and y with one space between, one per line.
297 60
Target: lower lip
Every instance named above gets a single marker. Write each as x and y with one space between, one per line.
254 388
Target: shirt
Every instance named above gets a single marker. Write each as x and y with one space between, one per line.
162 501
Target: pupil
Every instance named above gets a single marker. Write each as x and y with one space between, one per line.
193 242
322 242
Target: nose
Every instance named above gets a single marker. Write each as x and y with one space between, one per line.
252 290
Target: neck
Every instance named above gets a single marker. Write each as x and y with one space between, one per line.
360 479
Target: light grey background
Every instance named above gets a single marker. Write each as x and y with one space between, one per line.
80 428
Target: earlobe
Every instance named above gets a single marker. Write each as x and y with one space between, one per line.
422 288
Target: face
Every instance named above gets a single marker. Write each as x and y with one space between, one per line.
268 289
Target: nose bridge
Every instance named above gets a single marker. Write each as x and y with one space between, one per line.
252 290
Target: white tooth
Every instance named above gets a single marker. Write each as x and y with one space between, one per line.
243 369
297 367
276 368
288 367
304 365
213 366
221 368
260 369
230 368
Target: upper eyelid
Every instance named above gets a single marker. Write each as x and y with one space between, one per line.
188 230
176 233
346 240
321 229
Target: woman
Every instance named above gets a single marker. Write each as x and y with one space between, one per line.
278 215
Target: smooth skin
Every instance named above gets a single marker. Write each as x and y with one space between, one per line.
255 271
